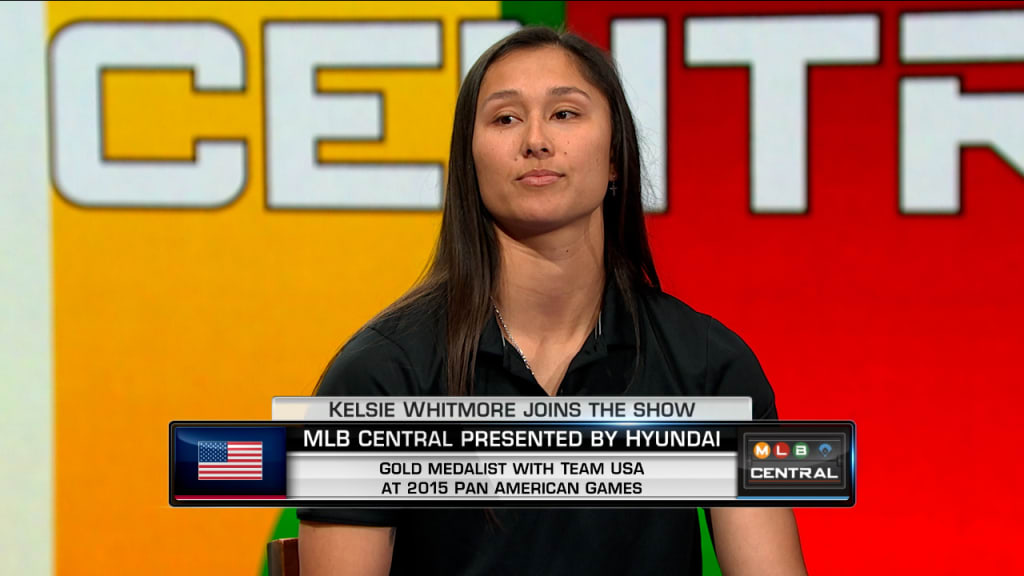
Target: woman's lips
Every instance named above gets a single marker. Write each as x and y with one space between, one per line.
539 177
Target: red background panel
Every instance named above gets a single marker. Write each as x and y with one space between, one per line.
908 325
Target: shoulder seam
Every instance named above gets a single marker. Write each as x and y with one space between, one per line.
405 354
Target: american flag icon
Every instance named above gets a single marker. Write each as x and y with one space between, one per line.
230 460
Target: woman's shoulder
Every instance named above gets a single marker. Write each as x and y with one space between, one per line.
664 309
668 311
412 326
728 363
390 355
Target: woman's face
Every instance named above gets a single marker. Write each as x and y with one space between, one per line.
541 142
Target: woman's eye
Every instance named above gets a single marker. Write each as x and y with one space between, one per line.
564 114
504 119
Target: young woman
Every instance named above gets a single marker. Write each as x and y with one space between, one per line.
543 283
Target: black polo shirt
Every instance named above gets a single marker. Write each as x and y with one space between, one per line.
684 353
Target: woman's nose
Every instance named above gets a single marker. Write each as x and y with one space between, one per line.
536 142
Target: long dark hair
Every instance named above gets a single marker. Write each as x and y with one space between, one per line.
465 266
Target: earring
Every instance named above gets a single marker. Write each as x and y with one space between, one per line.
612 188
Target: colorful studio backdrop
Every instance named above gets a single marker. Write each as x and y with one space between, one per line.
199 202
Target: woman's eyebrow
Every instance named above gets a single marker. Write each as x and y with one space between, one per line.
565 90
501 95
556 91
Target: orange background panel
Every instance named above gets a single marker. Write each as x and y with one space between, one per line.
167 315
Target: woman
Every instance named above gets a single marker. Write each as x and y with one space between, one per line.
543 283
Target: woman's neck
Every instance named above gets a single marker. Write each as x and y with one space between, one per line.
551 284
